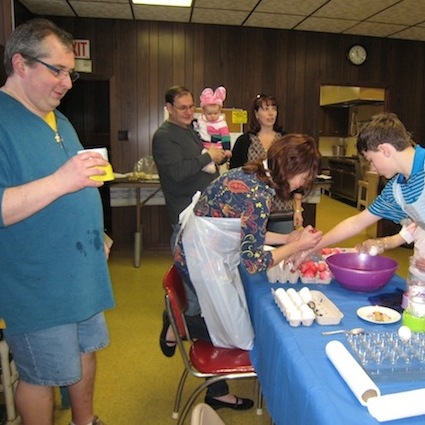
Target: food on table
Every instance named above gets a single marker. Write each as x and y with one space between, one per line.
378 316
315 270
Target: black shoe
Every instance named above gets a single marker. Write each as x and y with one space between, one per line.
167 350
217 404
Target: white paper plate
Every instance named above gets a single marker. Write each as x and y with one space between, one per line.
378 314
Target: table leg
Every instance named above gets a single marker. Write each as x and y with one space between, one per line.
137 248
138 241
138 233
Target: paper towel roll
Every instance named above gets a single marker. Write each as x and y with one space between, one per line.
398 405
352 373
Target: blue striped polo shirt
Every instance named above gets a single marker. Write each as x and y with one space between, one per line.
386 206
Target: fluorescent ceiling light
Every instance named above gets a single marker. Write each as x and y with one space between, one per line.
179 3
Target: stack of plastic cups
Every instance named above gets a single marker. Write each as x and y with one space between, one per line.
414 299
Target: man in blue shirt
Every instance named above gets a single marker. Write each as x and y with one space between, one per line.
55 282
388 147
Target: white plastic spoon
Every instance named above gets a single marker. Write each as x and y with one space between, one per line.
355 331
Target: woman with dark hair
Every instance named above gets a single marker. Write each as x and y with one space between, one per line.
244 194
262 130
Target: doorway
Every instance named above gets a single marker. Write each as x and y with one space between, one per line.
87 106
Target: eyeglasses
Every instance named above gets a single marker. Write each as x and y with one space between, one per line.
184 108
59 72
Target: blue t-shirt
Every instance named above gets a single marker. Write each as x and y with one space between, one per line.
52 264
386 206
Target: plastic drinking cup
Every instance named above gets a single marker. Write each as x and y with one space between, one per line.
108 168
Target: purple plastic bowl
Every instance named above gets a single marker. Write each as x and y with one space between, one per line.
361 272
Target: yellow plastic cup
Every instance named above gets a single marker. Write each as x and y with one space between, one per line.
108 168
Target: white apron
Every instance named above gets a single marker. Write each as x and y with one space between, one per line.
416 213
212 251
416 210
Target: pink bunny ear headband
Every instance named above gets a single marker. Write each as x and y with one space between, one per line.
208 97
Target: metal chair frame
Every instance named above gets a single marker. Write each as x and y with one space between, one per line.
9 381
176 303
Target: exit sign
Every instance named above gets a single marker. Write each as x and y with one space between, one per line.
82 49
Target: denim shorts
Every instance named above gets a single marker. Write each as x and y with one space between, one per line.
51 357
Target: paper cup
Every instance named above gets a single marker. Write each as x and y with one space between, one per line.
108 168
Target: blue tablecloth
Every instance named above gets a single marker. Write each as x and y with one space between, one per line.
299 383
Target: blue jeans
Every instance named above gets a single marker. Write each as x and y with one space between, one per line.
51 357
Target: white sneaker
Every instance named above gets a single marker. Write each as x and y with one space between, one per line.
95 421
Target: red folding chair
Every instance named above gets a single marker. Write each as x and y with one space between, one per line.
201 359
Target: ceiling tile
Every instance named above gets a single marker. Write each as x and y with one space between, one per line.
353 9
290 7
162 13
217 16
101 1
414 33
270 20
325 25
49 7
91 9
408 12
374 29
246 5
383 18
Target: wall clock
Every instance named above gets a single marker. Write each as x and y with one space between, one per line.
357 54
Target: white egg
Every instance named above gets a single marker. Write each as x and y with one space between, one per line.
292 293
306 312
306 294
279 291
404 333
295 314
373 250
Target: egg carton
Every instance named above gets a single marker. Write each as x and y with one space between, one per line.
306 306
315 270
282 273
315 280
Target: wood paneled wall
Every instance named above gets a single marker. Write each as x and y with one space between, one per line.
6 20
143 59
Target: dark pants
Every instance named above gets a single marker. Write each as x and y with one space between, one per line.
198 330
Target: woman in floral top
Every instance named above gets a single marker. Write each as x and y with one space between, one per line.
247 193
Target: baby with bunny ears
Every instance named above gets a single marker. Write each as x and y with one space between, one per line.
212 125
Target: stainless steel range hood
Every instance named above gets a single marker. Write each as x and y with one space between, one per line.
346 96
